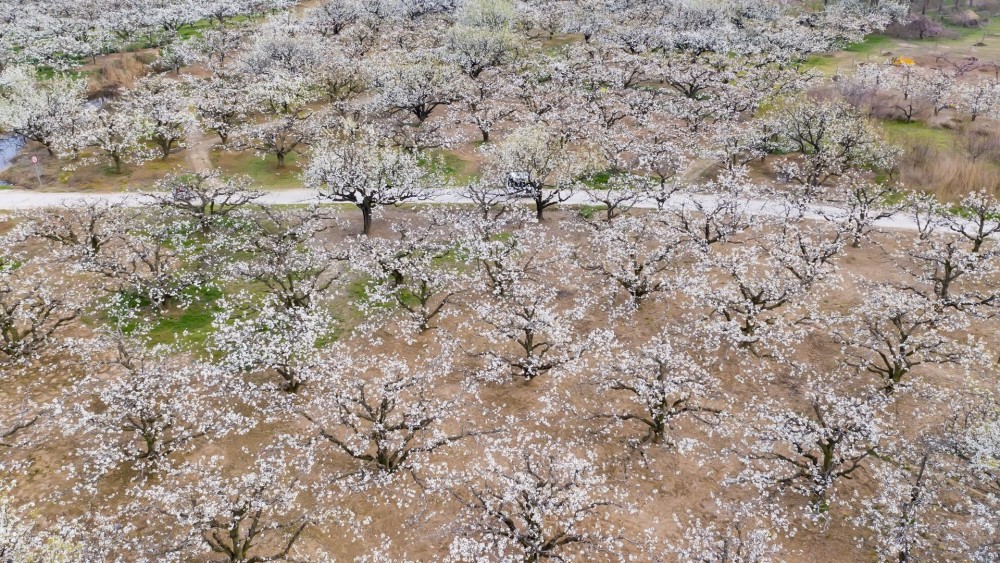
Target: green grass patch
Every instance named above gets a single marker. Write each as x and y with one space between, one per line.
967 36
331 337
198 28
450 165
873 44
960 42
264 172
408 297
357 290
48 73
194 30
588 211
894 198
191 325
907 134
829 63
824 63
966 213
598 181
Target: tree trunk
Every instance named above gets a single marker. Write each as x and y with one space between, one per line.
366 215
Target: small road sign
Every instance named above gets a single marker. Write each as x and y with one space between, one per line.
38 174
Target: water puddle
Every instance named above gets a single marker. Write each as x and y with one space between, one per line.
9 147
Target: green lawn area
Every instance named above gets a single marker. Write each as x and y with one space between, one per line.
902 133
264 171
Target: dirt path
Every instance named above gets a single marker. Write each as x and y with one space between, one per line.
199 151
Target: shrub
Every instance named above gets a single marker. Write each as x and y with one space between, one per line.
920 27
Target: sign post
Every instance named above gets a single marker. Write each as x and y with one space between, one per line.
34 160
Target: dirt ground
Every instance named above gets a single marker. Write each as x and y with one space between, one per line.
662 482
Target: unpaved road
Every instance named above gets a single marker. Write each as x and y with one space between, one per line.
26 199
